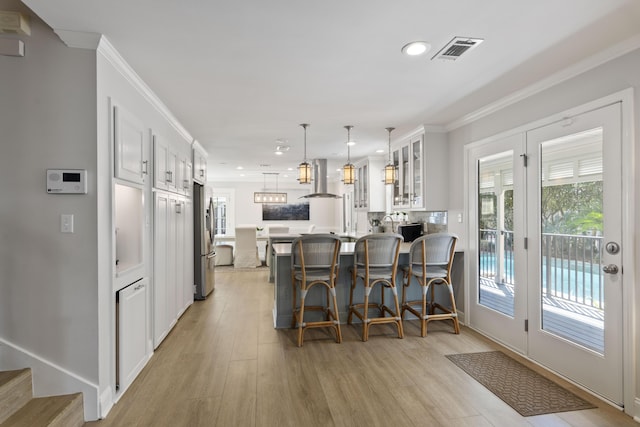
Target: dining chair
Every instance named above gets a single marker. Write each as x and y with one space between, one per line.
315 260
246 255
430 262
375 263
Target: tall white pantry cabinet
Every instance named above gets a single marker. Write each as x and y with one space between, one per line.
153 250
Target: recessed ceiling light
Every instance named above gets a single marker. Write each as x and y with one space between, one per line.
416 48
380 151
239 168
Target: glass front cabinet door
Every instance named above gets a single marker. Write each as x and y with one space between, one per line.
408 190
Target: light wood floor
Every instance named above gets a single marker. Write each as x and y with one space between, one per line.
224 365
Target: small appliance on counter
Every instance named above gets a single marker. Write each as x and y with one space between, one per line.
410 232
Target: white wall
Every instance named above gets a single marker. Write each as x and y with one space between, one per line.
606 79
48 280
324 213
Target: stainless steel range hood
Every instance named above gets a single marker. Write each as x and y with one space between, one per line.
319 181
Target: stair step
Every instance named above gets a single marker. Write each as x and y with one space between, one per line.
52 411
15 391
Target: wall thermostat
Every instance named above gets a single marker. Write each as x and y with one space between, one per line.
67 181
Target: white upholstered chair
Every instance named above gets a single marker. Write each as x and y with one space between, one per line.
246 255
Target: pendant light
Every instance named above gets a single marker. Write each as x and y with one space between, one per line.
267 196
390 169
349 170
304 169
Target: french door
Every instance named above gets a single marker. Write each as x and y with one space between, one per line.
546 246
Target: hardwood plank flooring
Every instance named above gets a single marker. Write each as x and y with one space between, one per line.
224 365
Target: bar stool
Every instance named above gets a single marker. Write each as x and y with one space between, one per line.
375 260
315 260
430 261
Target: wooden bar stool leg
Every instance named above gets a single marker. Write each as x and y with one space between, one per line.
336 315
394 289
423 311
303 294
454 310
365 321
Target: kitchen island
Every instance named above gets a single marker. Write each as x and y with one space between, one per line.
282 304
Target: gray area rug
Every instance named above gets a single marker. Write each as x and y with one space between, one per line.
523 389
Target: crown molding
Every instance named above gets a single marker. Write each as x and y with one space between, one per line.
109 52
574 70
79 39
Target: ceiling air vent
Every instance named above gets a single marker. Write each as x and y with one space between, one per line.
456 47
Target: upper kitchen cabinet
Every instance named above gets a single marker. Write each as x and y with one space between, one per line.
172 165
164 164
421 181
130 144
199 163
185 168
369 191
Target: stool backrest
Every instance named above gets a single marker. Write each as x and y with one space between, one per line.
432 251
378 250
316 251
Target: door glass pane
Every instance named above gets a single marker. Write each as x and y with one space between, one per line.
571 238
495 233
219 219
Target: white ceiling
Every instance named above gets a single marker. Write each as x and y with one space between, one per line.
241 74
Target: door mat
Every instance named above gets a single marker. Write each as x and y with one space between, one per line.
520 387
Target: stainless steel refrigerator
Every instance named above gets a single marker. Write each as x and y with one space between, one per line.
204 249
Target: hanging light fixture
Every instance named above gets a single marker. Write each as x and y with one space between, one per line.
349 170
304 169
390 169
266 196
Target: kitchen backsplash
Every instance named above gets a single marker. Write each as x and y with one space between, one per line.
432 221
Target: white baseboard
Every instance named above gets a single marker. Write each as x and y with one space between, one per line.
50 379
106 402
636 410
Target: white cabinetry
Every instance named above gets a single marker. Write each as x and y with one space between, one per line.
132 310
199 164
160 279
172 165
369 192
421 181
183 174
173 277
130 144
165 161
408 190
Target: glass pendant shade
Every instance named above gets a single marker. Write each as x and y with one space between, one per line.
269 197
389 174
304 173
349 174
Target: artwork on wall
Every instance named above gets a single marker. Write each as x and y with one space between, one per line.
287 212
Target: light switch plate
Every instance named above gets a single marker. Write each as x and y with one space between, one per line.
66 223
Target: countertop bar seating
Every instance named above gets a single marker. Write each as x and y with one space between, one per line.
430 262
375 264
315 263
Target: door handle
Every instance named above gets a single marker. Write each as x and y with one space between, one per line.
610 269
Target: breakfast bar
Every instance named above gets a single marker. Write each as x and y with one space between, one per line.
282 305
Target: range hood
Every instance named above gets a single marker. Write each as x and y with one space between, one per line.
319 181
